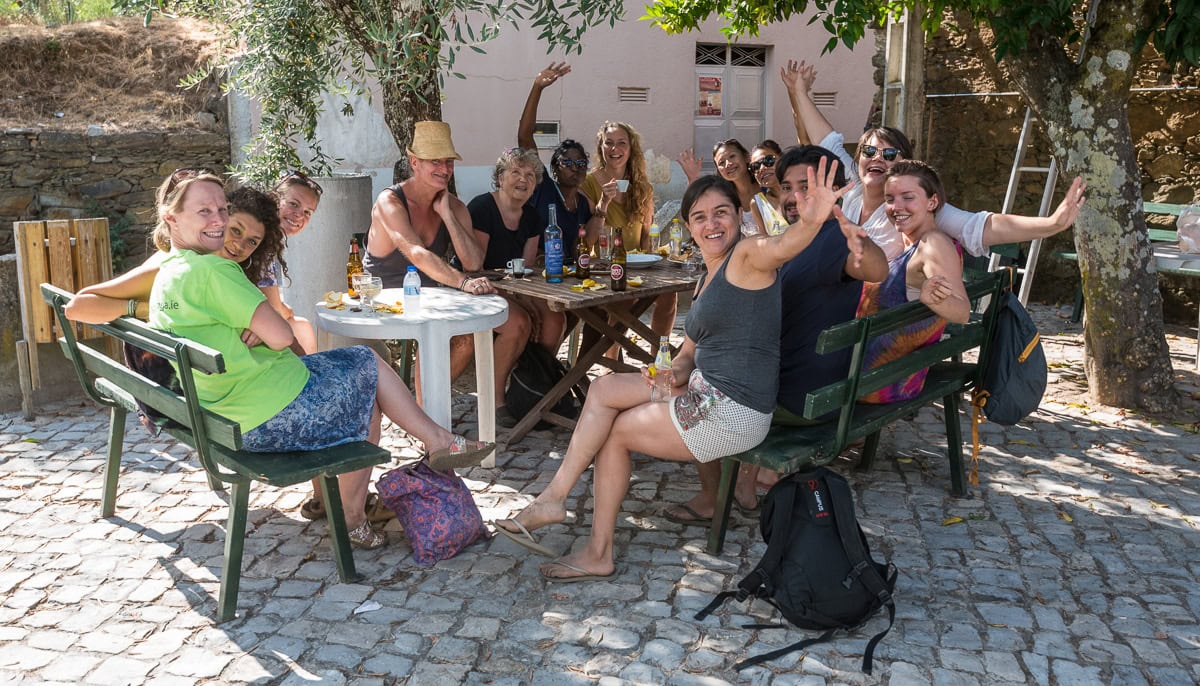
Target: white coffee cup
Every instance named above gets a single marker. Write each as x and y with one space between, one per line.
516 267
622 185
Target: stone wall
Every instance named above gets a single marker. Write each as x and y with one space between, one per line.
59 175
971 140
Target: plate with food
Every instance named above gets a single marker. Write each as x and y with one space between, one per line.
641 260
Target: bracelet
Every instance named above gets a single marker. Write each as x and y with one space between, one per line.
463 285
131 307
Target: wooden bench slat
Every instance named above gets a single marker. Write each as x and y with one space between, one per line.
223 431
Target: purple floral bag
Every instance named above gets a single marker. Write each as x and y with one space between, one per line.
437 511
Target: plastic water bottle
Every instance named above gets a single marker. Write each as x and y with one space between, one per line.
1188 227
664 377
412 291
554 249
655 236
676 237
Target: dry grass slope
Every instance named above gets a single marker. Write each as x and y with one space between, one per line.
112 72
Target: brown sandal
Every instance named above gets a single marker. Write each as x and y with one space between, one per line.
314 509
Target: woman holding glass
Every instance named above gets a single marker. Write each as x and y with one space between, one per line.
725 374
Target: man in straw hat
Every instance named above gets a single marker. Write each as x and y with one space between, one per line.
416 222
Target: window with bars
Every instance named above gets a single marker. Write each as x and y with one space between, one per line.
722 54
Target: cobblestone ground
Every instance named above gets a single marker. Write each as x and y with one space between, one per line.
1074 562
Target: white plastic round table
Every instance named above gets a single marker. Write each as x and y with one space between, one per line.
445 312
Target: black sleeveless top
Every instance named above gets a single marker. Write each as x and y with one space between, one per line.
392 268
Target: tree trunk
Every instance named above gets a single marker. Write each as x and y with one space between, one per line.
1084 106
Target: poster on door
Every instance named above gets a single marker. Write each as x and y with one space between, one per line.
710 96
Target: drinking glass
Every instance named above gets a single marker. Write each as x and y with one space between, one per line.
357 280
368 288
691 264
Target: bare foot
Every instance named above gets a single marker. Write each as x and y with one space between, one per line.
536 515
577 567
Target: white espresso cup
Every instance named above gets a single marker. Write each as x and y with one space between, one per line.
516 267
622 185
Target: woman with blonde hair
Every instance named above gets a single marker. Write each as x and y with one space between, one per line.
619 157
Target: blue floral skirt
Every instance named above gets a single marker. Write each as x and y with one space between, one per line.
334 407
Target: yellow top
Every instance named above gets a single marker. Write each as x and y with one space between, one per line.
618 214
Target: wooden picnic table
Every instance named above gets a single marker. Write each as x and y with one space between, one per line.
595 308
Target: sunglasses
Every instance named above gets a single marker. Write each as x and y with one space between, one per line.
183 174
302 179
578 164
869 151
768 162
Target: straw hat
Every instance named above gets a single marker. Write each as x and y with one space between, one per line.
431 141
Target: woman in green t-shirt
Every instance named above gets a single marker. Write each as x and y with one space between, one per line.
283 402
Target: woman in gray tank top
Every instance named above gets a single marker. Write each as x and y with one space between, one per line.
725 374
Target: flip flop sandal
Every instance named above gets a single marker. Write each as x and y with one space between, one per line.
522 538
746 511
583 574
459 454
312 510
693 518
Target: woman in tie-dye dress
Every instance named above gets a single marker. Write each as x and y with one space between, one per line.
929 270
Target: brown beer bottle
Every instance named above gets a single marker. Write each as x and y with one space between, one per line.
583 258
354 266
616 270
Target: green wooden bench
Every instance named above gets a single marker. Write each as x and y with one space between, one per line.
1179 268
791 449
216 440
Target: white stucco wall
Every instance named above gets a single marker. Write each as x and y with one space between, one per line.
483 109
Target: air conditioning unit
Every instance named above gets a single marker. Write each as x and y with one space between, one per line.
545 134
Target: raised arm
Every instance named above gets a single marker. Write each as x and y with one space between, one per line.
543 80
106 301
815 204
798 79
690 163
1016 228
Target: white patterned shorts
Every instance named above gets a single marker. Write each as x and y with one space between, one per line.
713 425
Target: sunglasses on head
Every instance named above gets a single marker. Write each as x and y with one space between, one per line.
183 174
578 164
869 151
299 176
768 162
729 141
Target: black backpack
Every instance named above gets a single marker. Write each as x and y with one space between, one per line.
817 570
532 377
1014 379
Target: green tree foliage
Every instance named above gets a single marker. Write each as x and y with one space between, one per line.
1175 26
299 57
1074 64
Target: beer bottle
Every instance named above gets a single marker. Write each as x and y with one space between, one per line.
354 266
583 259
616 269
